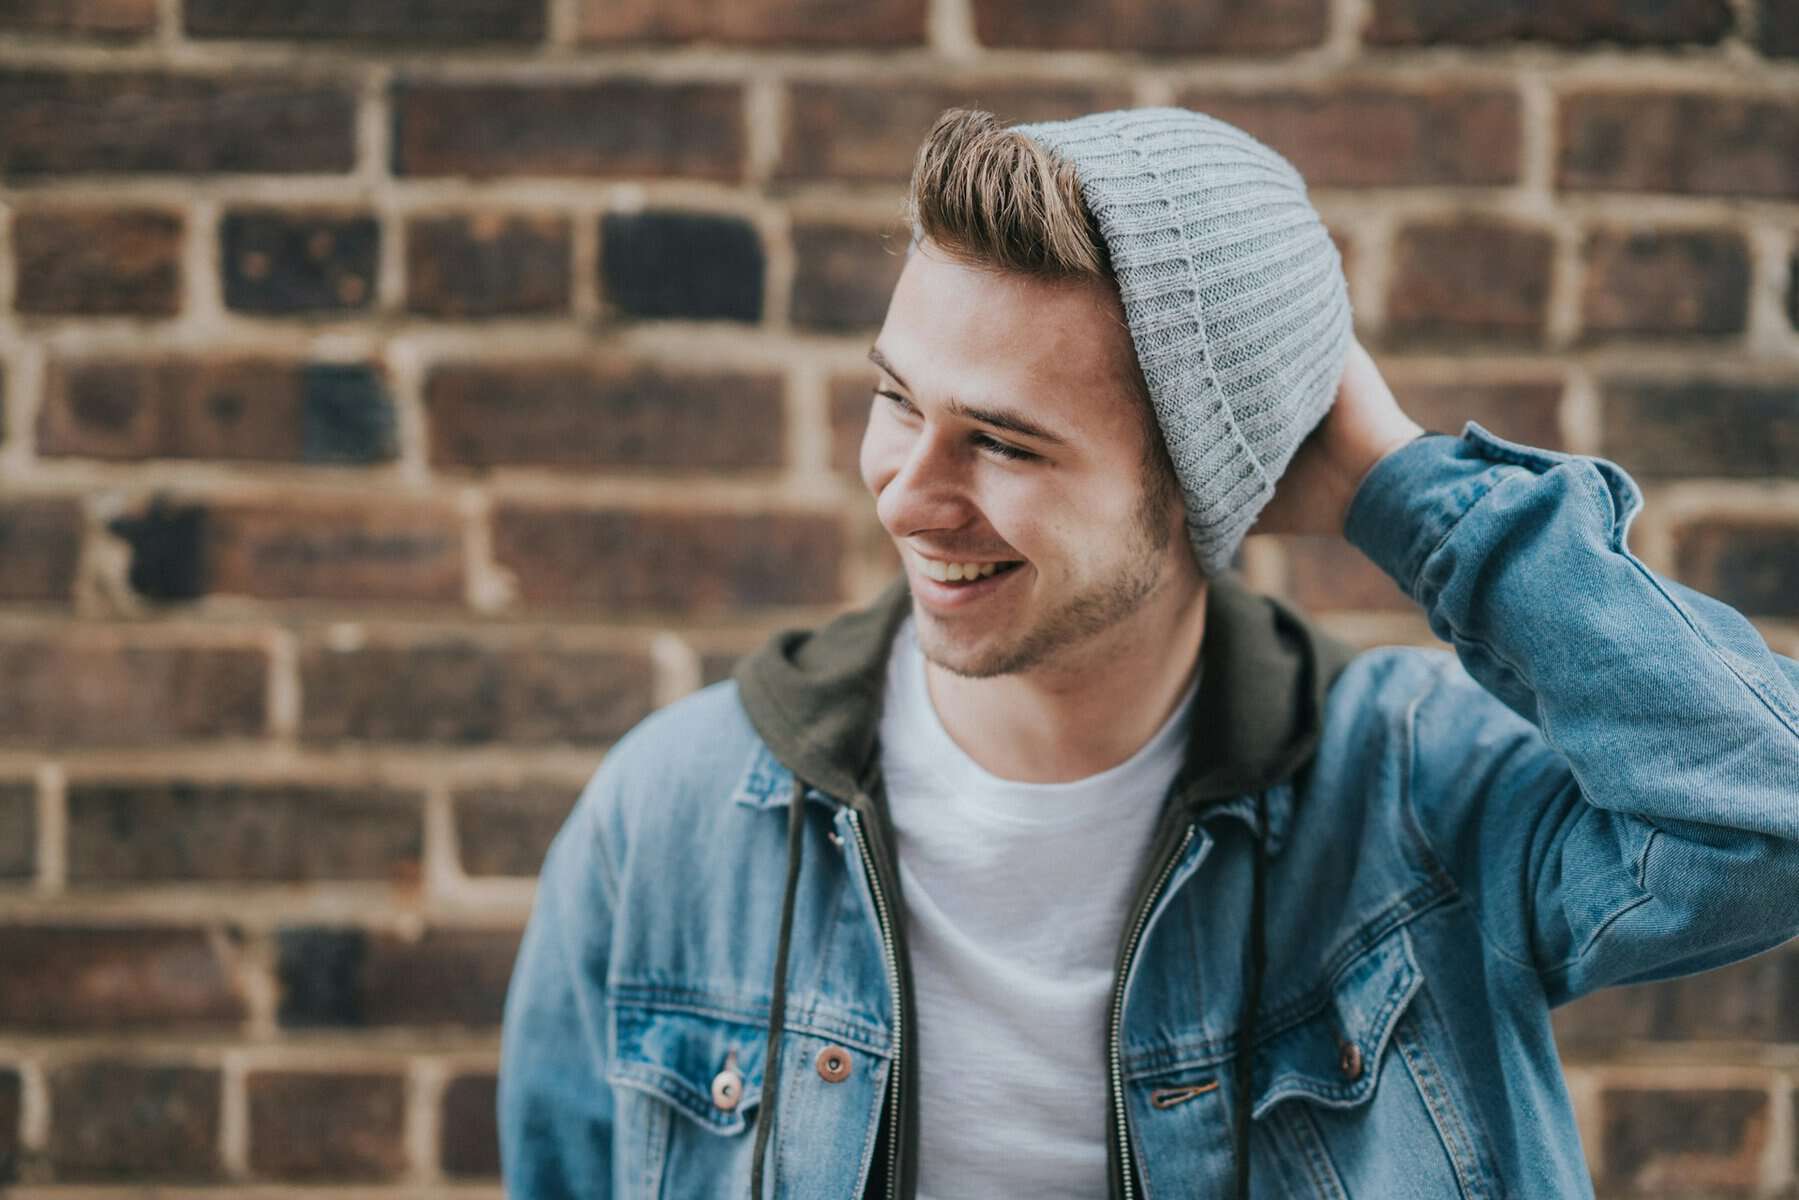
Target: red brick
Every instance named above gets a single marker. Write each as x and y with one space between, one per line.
55 122
487 265
242 409
705 563
456 691
1778 21
18 841
123 1121
851 398
40 543
64 977
316 1126
1659 1141
11 1105
603 412
844 275
1673 142
506 831
870 132
177 831
442 21
353 978
617 128
1469 278
1569 22
1747 1001
81 18
470 1140
1154 26
1701 427
1366 135
281 263
98 262
696 266
1525 409
98 687
1665 283
1752 565
1327 573
753 22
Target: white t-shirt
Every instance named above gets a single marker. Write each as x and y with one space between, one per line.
1016 896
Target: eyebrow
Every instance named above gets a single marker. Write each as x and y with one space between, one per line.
999 418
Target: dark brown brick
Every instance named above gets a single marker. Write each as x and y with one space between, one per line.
1672 142
442 21
844 275
11 1105
55 122
1362 135
161 832
18 841
80 18
131 694
1752 565
1525 409
1701 428
1327 573
1469 278
487 265
113 1120
462 693
754 22
1571 22
603 412
63 977
1747 1001
693 265
717 665
98 262
1665 283
1659 1141
711 562
866 131
470 1141
243 409
1154 26
851 398
1778 21
315 1126
353 978
618 128
506 831
292 263
40 543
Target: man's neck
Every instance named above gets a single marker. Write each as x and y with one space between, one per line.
1088 711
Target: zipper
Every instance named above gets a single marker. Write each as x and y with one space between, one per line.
893 984
1115 1034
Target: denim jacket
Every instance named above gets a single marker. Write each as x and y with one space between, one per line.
1374 877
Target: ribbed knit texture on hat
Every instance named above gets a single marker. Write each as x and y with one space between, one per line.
1234 294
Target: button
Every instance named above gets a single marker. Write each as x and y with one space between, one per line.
1349 1060
834 1064
727 1085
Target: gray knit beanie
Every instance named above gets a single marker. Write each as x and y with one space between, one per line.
1234 294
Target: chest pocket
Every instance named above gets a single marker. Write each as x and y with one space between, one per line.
706 1069
1361 1098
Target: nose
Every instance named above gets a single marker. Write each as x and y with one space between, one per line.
920 481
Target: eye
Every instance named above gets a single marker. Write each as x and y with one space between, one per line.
992 445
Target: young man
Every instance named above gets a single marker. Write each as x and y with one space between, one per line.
1070 867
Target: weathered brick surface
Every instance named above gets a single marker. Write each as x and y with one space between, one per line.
603 412
1327 574
326 1127
1702 427
1665 283
1525 409
845 275
54 122
1363 135
130 693
278 263
1472 278
615 128
245 409
705 563
121 833
67 977
1572 22
353 978
460 692
126 1120
80 18
1154 26
487 265
1750 1001
851 397
680 264
345 20
470 1141
1750 564
40 545
506 831
98 262
819 23
11 1102
18 832
1660 1141
1673 142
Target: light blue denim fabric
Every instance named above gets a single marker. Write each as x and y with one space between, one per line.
1599 786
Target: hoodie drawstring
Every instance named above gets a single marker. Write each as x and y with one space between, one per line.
777 1003
1252 999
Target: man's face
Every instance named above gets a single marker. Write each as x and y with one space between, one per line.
1010 436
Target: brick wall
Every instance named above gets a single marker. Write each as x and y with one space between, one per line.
397 407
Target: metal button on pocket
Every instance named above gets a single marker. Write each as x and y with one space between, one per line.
1349 1060
833 1064
727 1085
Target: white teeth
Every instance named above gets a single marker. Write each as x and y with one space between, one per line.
956 572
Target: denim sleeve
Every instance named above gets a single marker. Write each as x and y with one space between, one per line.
1610 766
555 1109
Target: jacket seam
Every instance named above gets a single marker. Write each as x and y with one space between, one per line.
654 999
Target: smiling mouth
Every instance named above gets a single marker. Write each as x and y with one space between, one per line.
947 572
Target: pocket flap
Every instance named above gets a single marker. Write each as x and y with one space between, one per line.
677 1054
